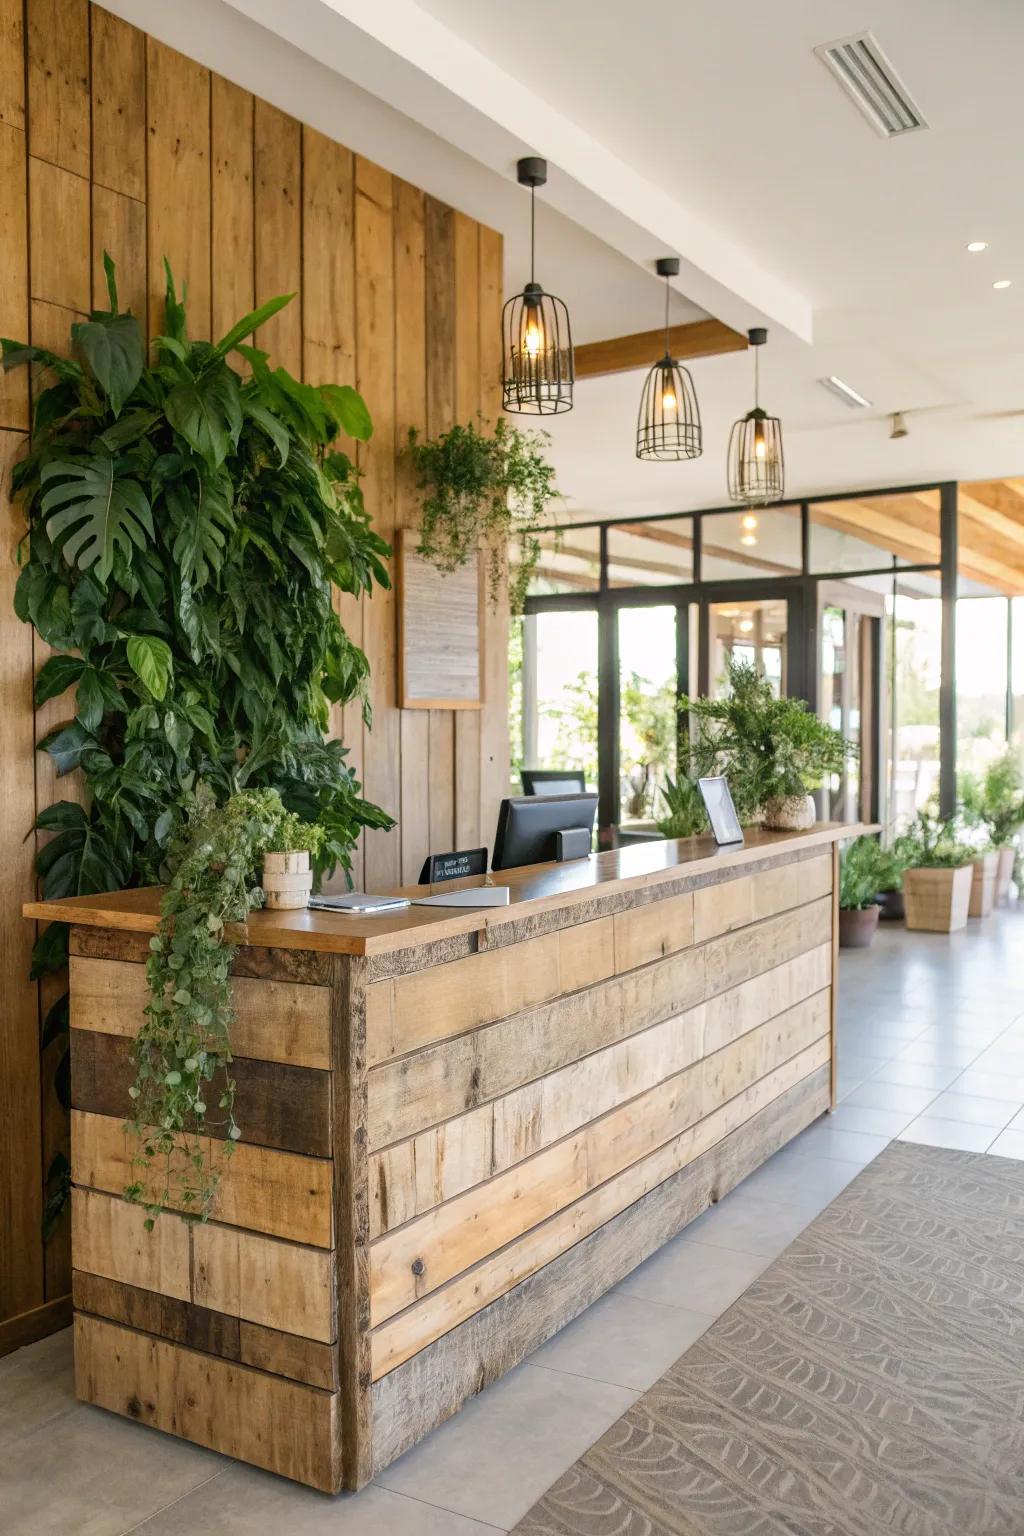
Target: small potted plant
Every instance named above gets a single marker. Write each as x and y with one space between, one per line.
859 870
287 868
1002 810
684 813
892 862
937 881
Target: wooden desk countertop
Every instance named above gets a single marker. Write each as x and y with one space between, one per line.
534 888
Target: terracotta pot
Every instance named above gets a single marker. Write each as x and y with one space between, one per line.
890 906
287 880
857 926
937 899
1007 857
788 813
983 884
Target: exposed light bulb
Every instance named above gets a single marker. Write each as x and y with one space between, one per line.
668 401
532 341
748 538
749 522
759 443
746 625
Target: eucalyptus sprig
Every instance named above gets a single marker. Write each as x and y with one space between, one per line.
183 1093
490 492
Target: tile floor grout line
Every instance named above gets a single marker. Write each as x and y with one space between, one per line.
141 1524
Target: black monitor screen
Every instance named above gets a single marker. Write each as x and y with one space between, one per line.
528 826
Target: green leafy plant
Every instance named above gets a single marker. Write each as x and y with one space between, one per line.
768 747
185 528
892 861
183 1092
489 491
934 842
995 801
685 815
861 870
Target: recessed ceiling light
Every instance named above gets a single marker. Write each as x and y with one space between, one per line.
846 392
977 245
1002 282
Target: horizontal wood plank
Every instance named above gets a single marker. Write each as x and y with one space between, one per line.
279 1425
108 1238
622 354
735 903
274 1020
285 1286
304 966
277 1193
276 1105
414 1260
652 931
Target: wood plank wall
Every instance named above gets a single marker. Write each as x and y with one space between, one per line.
110 140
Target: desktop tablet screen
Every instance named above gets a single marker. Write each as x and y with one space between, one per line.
725 824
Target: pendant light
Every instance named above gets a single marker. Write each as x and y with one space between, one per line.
756 468
537 362
668 425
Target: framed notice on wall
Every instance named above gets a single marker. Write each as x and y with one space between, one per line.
440 658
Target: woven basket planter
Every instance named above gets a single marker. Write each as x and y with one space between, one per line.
983 884
1007 857
937 899
287 880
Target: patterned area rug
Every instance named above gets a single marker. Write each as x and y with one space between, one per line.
871 1381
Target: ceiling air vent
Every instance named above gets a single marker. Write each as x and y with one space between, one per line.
866 75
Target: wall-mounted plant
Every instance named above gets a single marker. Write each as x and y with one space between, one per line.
185 528
484 491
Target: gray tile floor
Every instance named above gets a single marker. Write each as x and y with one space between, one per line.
931 1049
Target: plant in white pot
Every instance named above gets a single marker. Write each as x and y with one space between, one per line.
288 862
938 878
997 803
774 751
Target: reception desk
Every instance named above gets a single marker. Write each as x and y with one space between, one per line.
459 1128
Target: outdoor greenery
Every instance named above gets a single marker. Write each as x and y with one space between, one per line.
489 491
995 799
934 842
186 526
767 747
183 1093
861 871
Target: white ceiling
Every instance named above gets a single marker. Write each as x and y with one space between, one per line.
710 129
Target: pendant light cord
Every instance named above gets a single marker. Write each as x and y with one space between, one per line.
757 378
533 227
668 349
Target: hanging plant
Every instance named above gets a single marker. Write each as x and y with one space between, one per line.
186 526
490 492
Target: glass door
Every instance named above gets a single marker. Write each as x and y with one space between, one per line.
648 723
754 627
849 685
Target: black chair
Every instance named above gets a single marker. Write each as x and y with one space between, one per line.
554 781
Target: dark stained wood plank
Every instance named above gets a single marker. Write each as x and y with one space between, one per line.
301 966
702 338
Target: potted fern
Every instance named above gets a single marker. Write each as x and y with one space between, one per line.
860 868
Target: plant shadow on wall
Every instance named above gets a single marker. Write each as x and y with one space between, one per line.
185 527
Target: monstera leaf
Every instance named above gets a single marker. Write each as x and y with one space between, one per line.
207 413
97 509
112 347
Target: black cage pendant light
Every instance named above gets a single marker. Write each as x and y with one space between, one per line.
537 362
668 425
756 467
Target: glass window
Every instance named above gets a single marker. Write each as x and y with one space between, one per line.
764 541
658 553
647 709
980 681
1017 672
868 533
913 668
556 698
570 561
754 631
843 632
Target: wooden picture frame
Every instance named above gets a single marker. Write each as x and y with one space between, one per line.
440 631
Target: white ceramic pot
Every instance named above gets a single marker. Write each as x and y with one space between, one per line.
788 813
287 879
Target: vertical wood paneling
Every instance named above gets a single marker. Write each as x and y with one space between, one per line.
494 734
278 183
125 145
58 82
440 299
178 183
21 1258
231 152
410 412
375 379
118 106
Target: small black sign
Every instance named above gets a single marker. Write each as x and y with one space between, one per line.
439 867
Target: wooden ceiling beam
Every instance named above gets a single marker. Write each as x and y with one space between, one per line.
622 354
898 535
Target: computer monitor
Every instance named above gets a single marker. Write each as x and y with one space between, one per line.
554 781
528 827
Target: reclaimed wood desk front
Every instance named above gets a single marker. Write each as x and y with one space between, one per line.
459 1128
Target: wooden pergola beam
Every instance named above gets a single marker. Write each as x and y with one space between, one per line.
621 354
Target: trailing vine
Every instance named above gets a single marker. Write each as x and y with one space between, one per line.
491 492
186 526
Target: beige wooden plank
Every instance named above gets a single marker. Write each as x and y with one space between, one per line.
407 1012
328 269
118 106
59 222
415 1175
58 82
734 957
274 1020
178 183
648 932
119 228
494 738
417 1258
467 723
418 1325
278 1285
281 1194
439 226
266 1420
14 289
278 184
734 903
110 1239
231 212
